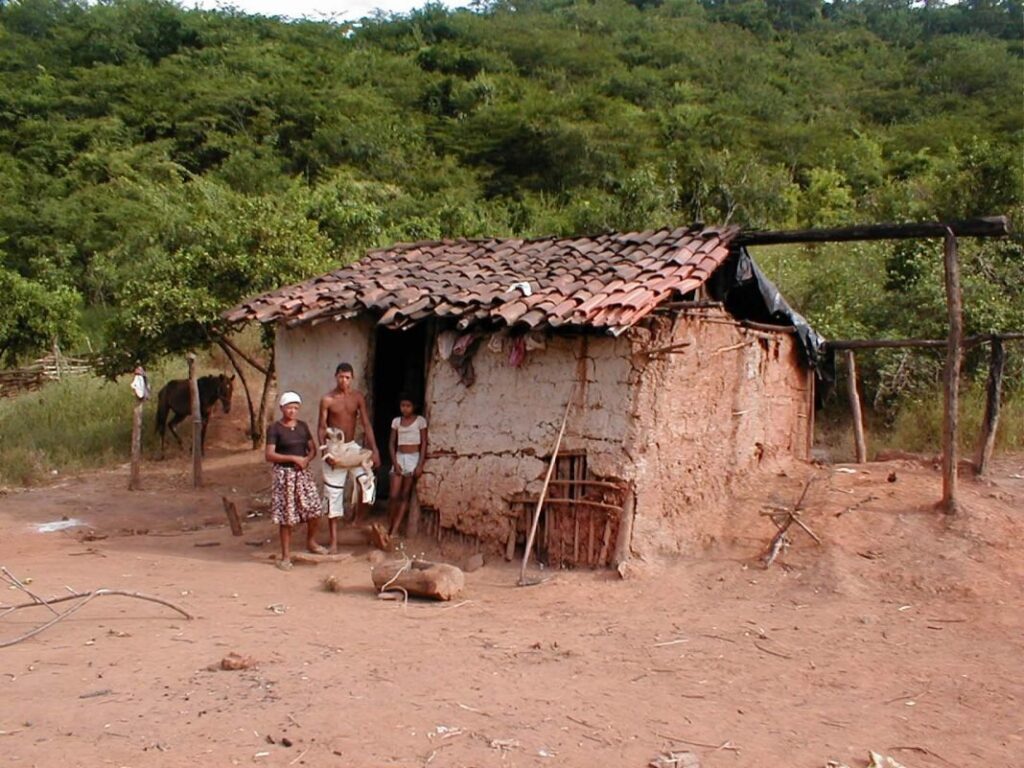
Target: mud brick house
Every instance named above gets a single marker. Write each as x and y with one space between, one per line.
656 342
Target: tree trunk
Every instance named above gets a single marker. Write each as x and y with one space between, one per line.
197 424
245 386
265 404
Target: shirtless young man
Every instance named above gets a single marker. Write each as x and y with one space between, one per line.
340 408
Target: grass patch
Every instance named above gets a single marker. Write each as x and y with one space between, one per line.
75 424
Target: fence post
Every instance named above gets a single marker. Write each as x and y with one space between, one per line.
197 424
993 395
855 409
950 422
133 479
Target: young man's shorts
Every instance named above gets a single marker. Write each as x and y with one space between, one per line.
406 464
335 481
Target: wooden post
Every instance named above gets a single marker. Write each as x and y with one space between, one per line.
623 543
855 411
950 421
234 519
197 424
133 477
811 384
997 360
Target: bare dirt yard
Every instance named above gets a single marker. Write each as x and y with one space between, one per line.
902 633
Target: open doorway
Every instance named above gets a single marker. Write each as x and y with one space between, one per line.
400 363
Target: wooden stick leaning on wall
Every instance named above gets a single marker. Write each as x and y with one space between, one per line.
544 490
197 423
855 410
993 395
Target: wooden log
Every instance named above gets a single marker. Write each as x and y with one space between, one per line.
951 416
993 396
855 410
591 484
421 578
234 520
969 341
136 462
197 424
510 543
987 226
624 541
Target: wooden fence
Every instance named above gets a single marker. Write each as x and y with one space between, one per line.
993 394
53 367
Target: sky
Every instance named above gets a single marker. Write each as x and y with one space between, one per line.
337 10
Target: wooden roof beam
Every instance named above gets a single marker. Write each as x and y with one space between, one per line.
985 226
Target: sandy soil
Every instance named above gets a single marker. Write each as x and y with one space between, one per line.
902 633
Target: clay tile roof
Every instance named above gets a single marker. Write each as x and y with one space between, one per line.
610 281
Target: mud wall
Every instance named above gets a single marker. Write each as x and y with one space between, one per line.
489 441
731 403
305 359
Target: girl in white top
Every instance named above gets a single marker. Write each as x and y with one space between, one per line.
408 453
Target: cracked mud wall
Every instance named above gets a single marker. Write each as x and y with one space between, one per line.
730 404
489 441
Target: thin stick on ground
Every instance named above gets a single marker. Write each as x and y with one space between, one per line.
85 598
726 745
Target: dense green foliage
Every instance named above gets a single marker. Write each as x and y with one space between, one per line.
158 165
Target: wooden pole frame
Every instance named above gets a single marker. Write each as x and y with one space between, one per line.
951 417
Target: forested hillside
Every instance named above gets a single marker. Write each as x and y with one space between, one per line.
158 164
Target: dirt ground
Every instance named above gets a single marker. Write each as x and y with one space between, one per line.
902 633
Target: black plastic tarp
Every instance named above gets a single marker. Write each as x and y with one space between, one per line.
748 294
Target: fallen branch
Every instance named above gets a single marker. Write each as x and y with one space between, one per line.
13 581
85 598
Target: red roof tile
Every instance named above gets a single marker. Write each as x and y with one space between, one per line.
610 281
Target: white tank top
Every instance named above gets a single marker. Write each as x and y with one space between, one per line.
409 435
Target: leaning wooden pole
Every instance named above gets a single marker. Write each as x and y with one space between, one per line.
997 361
197 423
950 421
855 409
544 491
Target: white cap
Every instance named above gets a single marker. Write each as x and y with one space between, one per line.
288 398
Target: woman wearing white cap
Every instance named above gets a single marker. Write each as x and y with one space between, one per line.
294 497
